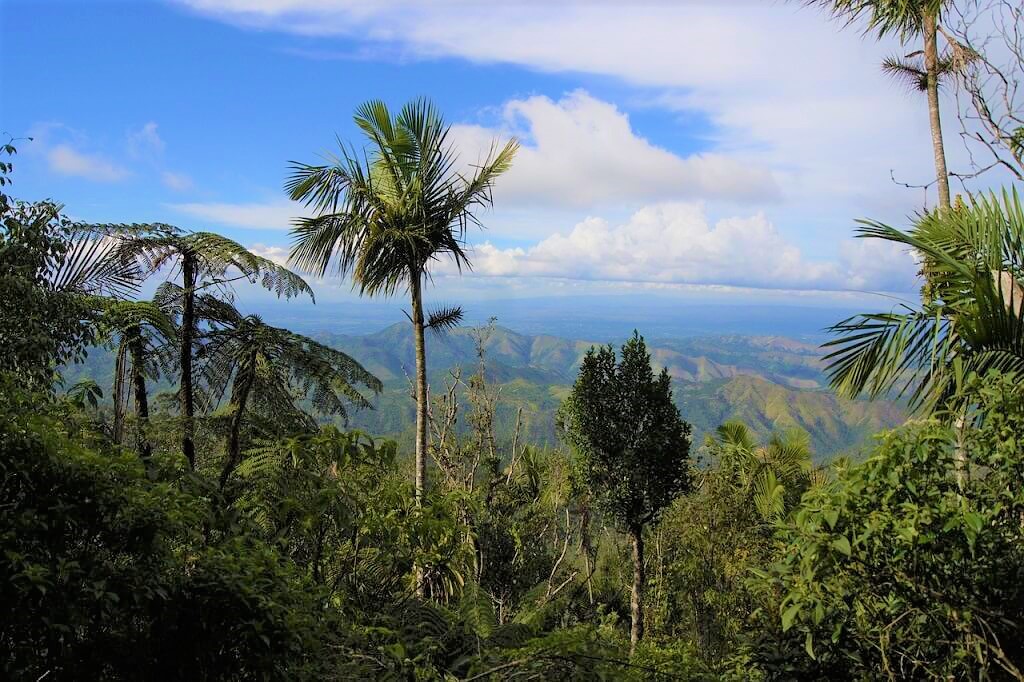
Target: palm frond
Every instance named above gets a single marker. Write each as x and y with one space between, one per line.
445 318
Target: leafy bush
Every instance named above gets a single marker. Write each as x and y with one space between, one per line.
912 564
104 574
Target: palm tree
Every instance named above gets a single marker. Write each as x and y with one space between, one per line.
203 260
385 216
272 369
136 328
908 19
773 475
972 323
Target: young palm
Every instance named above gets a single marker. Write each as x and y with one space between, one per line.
203 260
384 217
271 369
908 19
971 322
774 475
137 329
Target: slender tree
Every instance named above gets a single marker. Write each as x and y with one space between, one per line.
137 329
386 215
908 19
202 260
272 369
632 443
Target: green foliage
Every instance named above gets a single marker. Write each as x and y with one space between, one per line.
971 318
386 216
708 543
902 18
911 563
51 266
632 443
103 573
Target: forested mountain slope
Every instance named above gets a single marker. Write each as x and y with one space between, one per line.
769 382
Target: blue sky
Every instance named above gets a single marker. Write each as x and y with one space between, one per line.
692 149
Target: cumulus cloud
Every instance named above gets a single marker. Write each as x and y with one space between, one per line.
179 182
676 243
582 151
146 141
779 83
278 254
273 215
66 160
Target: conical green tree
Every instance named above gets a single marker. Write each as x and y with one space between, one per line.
386 215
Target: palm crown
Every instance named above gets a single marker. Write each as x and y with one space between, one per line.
385 215
970 319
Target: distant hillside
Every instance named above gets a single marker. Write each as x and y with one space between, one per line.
769 382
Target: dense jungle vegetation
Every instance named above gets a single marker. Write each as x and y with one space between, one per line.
227 528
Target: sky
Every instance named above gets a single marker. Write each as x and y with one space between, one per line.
711 151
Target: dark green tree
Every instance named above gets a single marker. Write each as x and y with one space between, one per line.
632 443
50 268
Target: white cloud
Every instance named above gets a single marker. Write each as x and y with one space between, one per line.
582 151
278 254
675 243
66 160
781 85
878 265
179 182
146 141
273 215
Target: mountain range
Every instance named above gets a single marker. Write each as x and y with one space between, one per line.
772 383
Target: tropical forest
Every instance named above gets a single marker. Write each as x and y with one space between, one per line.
512 341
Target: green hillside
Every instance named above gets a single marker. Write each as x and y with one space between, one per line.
770 383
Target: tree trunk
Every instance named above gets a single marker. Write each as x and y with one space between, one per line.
119 401
636 631
135 346
420 477
188 322
931 65
234 450
421 391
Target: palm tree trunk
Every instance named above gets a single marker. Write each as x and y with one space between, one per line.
421 391
119 401
420 476
135 346
188 322
234 450
931 65
636 631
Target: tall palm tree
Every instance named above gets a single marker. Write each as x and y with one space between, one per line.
203 260
137 328
272 369
972 323
908 19
386 215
